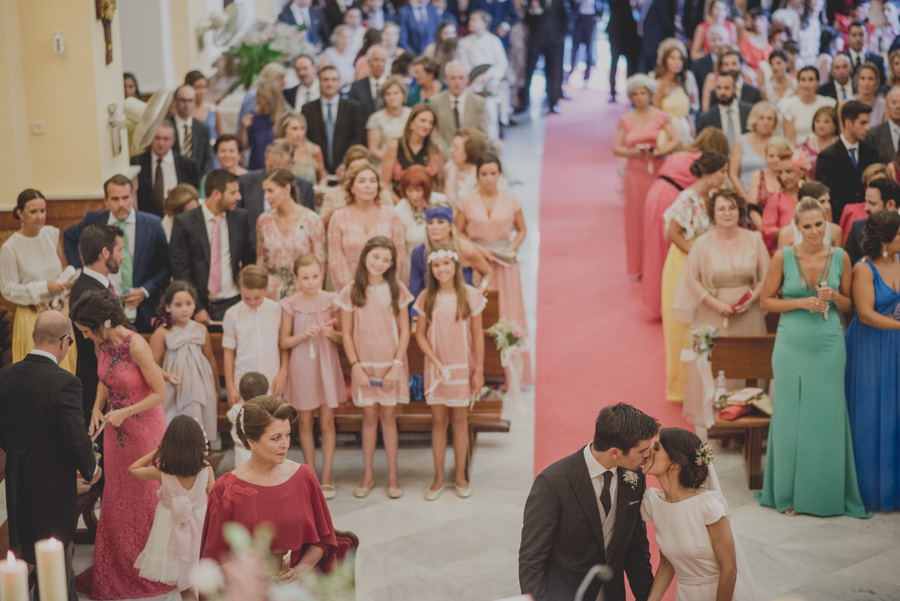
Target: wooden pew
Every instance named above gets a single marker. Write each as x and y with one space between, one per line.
748 358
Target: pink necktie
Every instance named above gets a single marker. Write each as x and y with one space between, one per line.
215 258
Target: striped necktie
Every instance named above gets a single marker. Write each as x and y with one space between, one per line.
188 142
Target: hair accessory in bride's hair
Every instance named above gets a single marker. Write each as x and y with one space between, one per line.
443 254
704 454
241 418
107 324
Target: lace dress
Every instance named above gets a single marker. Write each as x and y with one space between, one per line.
280 251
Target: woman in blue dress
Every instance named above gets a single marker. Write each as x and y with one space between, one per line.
204 112
257 127
873 364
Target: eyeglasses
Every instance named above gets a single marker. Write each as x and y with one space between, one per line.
66 336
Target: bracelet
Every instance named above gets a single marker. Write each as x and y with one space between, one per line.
354 363
398 363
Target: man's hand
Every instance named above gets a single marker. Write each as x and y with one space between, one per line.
97 473
203 317
134 298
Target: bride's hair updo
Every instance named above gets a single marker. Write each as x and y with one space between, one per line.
681 446
257 414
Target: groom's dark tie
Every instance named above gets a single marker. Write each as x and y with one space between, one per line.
605 499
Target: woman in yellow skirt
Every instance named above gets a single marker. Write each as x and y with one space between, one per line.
686 219
31 260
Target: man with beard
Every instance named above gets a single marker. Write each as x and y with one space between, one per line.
728 114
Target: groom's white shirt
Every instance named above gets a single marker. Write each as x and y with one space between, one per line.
596 472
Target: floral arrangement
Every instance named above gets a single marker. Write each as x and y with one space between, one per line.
507 334
704 454
264 44
631 478
702 338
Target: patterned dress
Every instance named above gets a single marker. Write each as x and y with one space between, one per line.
346 239
280 252
128 504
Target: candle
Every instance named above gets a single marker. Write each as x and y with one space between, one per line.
51 570
13 579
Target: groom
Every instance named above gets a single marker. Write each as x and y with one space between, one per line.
585 510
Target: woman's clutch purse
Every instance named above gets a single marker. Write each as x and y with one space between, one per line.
507 256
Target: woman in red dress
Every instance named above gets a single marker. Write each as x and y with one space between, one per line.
270 488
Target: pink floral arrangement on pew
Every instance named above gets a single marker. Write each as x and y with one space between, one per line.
702 338
507 333
511 341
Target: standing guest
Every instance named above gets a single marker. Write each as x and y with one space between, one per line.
162 170
789 236
636 140
721 268
40 490
209 253
824 134
130 392
793 172
415 147
353 21
131 86
144 270
856 211
581 511
192 136
728 114
341 55
336 196
252 385
444 15
445 32
657 23
872 339
416 189
882 194
766 182
461 180
386 124
754 45
675 92
451 314
856 52
547 23
780 84
301 12
882 39
808 363
364 218
841 87
502 13
798 110
248 331
182 198
455 108
687 218
893 78
334 124
31 261
257 127
183 348
487 219
366 92
390 39
315 381
748 152
308 160
229 154
708 64
867 85
375 15
269 488
101 248
308 89
621 30
204 111
375 328
481 47
840 166
674 176
584 33
272 72
428 81
716 14
288 231
884 136
418 22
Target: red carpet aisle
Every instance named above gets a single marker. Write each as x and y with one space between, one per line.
596 343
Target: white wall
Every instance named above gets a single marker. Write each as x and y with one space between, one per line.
147 43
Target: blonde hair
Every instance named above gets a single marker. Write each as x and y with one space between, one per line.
179 197
806 204
394 81
757 111
305 261
876 170
271 91
784 148
352 174
253 277
281 127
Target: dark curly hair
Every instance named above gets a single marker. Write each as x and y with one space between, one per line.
736 199
681 447
880 229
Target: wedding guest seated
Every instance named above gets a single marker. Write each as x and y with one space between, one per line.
825 133
183 197
788 236
336 196
228 152
309 162
272 489
882 194
162 170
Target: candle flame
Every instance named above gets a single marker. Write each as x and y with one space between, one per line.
52 542
10 558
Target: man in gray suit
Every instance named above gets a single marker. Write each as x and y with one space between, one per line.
885 136
456 107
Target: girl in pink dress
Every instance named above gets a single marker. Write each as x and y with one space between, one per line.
172 552
131 389
375 326
487 219
451 337
314 380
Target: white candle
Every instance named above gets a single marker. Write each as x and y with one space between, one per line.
51 570
13 579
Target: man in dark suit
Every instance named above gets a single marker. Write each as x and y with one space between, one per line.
586 510
882 194
334 12
623 41
333 123
216 226
191 136
45 441
503 16
841 165
584 33
856 41
547 22
730 60
444 12
100 247
418 22
656 24
366 92
161 170
144 271
884 137
716 37
308 88
301 12
374 14
841 85
279 155
728 114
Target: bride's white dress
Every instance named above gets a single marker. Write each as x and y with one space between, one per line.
683 537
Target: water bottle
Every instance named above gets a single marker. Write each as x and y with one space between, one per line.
719 397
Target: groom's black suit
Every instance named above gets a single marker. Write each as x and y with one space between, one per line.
562 536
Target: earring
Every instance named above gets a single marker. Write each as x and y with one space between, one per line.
884 252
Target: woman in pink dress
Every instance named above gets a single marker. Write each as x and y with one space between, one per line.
289 231
636 137
674 176
488 219
793 171
350 227
132 389
765 182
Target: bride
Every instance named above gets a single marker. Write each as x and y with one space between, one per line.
693 531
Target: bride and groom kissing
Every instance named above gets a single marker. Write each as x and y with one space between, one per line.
589 508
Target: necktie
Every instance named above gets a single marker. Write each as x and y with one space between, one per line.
111 289
377 95
126 269
188 142
605 498
215 258
853 157
308 94
857 64
456 114
329 131
419 16
159 189
730 127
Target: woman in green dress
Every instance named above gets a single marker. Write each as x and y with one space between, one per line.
809 458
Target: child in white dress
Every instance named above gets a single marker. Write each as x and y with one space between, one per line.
172 551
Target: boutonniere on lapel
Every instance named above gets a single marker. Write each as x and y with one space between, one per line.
631 478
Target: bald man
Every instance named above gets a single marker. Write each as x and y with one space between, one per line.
46 442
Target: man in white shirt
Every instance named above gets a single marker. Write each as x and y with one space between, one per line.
308 88
728 114
162 170
456 108
193 136
481 47
841 85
